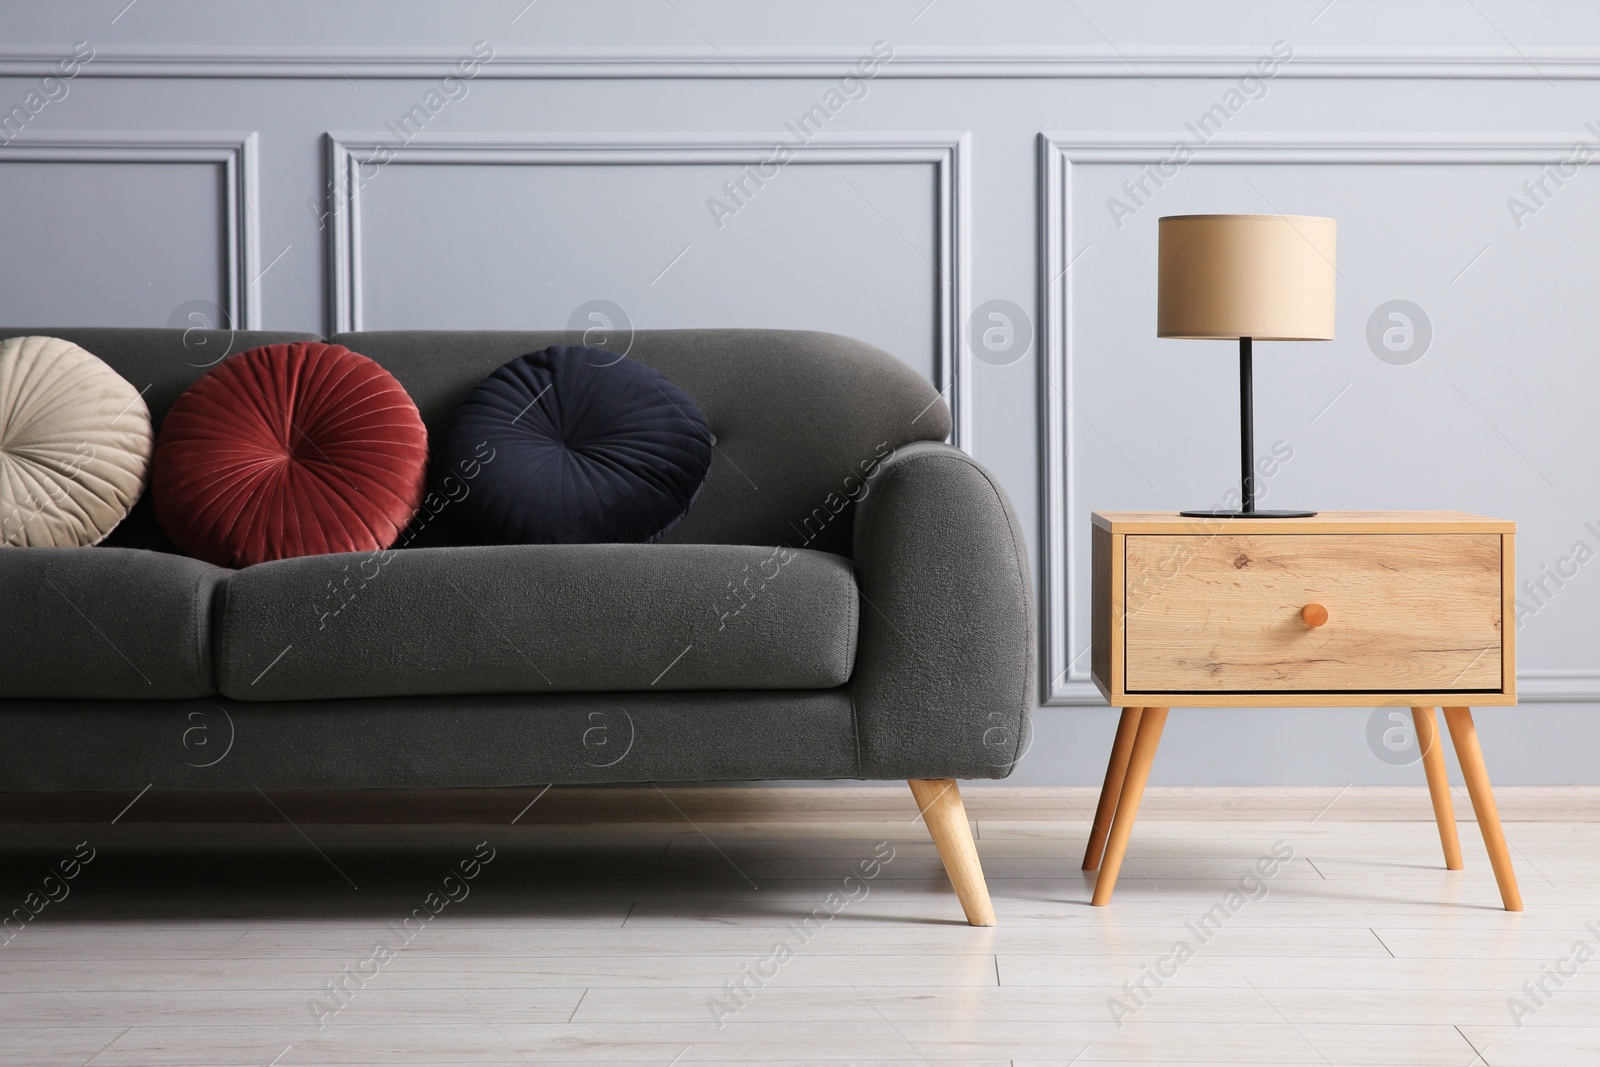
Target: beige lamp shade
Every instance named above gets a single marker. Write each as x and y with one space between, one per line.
1268 277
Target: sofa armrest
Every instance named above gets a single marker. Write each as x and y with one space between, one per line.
944 675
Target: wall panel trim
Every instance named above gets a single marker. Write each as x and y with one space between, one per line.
1064 637
936 61
236 153
948 153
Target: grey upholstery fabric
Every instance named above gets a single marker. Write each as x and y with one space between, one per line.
104 622
822 444
537 619
794 414
161 363
425 742
945 672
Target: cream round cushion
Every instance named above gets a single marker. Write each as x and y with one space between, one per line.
75 444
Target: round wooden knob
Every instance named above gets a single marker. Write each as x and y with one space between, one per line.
1314 614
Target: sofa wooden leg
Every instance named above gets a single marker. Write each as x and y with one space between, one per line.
939 800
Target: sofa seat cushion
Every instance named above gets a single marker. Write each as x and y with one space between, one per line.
111 623
537 619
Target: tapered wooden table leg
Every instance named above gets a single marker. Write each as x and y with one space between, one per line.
1465 735
946 817
1121 749
1444 812
1145 743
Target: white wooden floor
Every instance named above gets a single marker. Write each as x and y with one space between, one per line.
203 944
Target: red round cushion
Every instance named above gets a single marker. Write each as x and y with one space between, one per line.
289 450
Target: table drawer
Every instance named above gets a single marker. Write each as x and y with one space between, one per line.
1405 612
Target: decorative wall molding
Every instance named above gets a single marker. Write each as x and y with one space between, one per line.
947 152
1537 686
948 61
236 153
1064 639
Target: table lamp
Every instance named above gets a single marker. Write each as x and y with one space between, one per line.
1251 277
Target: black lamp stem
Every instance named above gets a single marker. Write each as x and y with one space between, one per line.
1247 433
1247 456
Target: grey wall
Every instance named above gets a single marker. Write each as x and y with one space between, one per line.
182 171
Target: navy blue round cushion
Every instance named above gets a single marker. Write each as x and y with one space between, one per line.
587 447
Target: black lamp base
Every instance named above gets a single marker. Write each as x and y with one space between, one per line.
1247 514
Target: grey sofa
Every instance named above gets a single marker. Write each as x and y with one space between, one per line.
848 598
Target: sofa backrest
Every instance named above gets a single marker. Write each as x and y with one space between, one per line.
798 418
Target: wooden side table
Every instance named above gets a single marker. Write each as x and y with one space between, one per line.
1412 609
